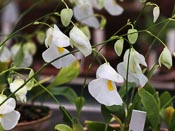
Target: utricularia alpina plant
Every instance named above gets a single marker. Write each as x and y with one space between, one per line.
120 89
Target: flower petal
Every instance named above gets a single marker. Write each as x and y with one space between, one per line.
138 78
112 7
8 106
156 13
99 89
55 36
105 71
5 54
52 53
20 94
80 41
85 14
10 120
135 60
59 38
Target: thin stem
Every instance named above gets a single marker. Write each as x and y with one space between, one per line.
42 23
150 33
127 75
14 68
101 55
65 3
140 13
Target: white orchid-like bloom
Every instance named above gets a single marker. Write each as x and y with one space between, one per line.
5 54
135 72
8 115
56 37
21 93
103 89
80 41
54 52
56 41
83 12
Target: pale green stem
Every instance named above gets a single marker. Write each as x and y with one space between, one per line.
101 55
42 23
14 68
50 93
65 3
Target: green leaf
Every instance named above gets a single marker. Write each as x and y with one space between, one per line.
66 75
79 102
66 116
77 126
148 87
19 56
165 99
151 107
132 35
3 67
31 83
67 92
97 126
118 111
1 128
106 113
62 127
152 71
122 90
118 46
171 125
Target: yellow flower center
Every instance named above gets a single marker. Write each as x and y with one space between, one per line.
60 49
1 115
110 86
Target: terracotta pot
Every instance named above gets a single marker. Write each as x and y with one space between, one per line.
41 124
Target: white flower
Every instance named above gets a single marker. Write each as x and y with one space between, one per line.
55 36
83 12
103 89
21 93
135 72
8 116
5 54
54 52
26 59
112 7
156 13
80 41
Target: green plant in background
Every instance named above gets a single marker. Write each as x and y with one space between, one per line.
117 104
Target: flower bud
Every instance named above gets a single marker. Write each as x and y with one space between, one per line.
66 16
118 46
168 114
165 58
156 13
132 35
